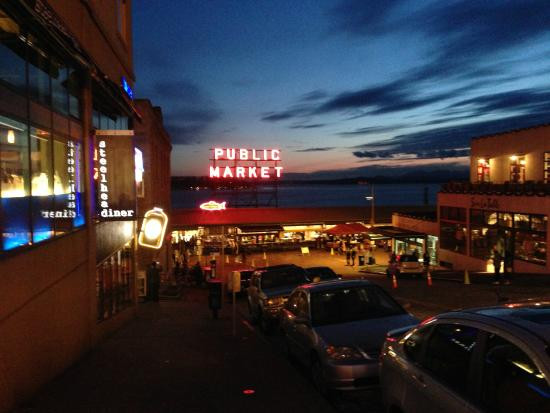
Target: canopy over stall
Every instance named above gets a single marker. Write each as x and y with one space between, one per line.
348 229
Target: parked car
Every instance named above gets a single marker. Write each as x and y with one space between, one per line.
245 275
316 274
337 328
405 264
494 359
269 289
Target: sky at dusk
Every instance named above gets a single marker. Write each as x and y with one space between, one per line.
343 88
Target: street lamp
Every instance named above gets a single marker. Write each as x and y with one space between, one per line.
371 199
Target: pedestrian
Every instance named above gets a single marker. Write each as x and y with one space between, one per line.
497 261
508 265
153 282
353 255
393 257
196 274
348 255
426 261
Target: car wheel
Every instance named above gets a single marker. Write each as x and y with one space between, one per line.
318 377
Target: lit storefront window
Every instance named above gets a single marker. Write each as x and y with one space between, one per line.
453 229
483 170
14 183
517 169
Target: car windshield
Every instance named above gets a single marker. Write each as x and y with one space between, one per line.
274 279
408 258
324 273
351 304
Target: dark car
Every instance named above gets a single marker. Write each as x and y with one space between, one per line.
269 289
492 359
316 274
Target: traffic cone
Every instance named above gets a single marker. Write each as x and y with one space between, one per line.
332 251
429 277
253 263
265 256
394 281
227 259
466 277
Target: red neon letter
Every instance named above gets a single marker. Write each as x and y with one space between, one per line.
230 153
275 154
227 172
265 171
254 157
243 154
252 172
214 172
239 172
279 170
218 152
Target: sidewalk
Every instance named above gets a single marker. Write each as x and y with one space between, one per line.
175 358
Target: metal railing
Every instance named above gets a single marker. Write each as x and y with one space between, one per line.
528 188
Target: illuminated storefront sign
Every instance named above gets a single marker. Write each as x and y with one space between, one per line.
126 87
242 163
115 175
153 228
213 206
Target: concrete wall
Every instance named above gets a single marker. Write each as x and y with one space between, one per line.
531 143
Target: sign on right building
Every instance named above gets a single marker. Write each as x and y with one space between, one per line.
504 207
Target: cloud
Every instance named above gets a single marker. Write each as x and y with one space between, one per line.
313 96
190 112
378 154
315 149
447 142
308 126
372 130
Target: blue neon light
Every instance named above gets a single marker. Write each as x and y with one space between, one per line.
127 87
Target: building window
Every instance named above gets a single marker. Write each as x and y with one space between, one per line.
547 167
41 199
12 53
517 169
113 283
531 246
453 237
483 170
453 214
14 184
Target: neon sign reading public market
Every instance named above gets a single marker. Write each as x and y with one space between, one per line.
244 163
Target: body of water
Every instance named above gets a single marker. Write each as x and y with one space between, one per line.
322 195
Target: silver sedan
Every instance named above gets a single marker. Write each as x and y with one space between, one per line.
337 328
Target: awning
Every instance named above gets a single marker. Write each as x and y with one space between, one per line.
347 229
260 229
386 232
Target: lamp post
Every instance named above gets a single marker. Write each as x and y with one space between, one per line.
371 199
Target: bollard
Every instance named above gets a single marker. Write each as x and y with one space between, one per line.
332 251
227 259
429 277
265 256
466 277
253 263
394 281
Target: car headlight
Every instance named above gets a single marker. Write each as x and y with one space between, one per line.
274 301
343 353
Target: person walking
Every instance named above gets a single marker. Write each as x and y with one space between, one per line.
348 254
497 261
153 282
353 255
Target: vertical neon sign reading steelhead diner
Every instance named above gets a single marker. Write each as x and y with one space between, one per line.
71 198
102 176
242 163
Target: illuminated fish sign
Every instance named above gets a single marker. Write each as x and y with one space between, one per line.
213 206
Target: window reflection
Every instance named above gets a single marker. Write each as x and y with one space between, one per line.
14 183
42 185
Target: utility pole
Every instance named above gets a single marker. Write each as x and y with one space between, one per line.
371 199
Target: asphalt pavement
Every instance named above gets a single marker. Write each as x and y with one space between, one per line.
174 357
